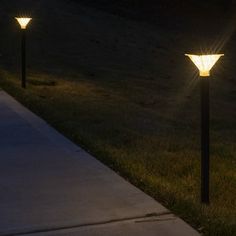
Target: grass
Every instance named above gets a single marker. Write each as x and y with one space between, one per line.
135 133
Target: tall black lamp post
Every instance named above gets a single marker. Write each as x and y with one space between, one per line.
23 22
205 63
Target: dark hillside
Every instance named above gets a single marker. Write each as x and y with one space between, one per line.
193 26
156 10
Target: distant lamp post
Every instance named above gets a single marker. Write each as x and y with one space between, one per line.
23 22
204 63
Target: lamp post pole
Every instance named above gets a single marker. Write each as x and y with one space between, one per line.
204 63
205 139
23 22
23 58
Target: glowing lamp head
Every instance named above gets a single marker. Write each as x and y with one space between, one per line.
23 21
204 63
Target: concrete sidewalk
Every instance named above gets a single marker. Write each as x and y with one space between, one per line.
50 186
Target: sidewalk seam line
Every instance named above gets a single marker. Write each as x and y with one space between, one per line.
147 216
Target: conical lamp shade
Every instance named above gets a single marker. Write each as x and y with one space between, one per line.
23 21
204 63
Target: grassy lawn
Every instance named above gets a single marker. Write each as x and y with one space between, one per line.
124 92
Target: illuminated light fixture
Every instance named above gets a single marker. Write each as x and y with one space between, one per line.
204 63
23 21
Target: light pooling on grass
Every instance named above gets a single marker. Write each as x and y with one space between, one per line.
204 62
23 21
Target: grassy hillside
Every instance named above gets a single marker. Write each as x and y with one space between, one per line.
122 88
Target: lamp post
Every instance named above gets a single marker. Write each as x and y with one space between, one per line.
204 63
23 22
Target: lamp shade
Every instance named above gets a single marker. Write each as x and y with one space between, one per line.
23 21
204 63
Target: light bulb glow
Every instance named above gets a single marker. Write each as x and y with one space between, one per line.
23 21
204 63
